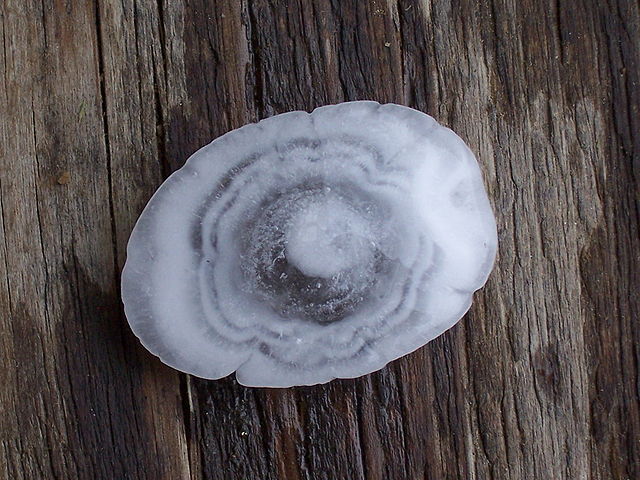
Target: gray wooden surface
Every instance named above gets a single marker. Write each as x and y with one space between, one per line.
101 100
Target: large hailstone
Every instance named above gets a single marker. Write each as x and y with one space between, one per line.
309 247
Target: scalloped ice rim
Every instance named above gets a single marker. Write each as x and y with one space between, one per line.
253 360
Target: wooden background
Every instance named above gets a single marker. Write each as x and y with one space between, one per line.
101 100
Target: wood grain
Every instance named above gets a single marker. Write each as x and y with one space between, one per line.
100 101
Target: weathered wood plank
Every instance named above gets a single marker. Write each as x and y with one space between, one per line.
79 402
99 102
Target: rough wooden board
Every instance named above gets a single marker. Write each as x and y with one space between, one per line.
101 101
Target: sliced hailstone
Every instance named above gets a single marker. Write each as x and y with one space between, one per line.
309 247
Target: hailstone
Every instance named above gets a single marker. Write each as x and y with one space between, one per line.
310 246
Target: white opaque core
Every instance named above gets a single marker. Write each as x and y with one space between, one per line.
327 238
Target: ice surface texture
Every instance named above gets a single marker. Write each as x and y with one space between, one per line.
309 247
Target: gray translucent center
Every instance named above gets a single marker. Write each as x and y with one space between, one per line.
311 252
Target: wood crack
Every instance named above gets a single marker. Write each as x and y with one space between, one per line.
255 53
106 137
